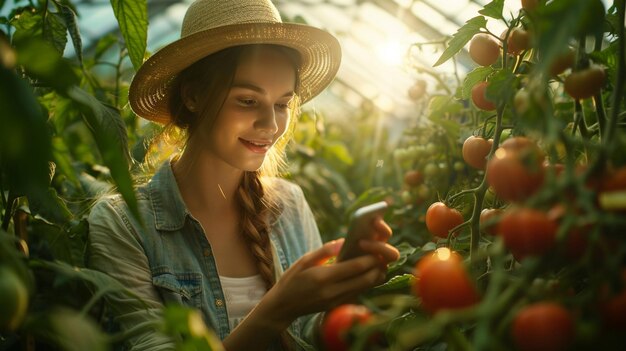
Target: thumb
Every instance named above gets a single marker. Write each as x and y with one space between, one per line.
321 255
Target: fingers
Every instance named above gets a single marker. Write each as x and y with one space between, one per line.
383 231
321 255
387 252
351 288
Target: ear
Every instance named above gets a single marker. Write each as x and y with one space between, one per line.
189 97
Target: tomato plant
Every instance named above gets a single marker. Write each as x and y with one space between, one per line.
544 326
339 321
441 219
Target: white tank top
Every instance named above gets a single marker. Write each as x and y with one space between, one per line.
241 294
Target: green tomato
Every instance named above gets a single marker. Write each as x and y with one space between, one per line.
14 298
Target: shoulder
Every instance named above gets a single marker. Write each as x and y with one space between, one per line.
114 202
287 195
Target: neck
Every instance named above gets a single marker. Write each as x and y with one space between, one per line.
206 185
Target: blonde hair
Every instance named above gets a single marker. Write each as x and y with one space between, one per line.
257 199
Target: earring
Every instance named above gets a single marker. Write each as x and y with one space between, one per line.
191 107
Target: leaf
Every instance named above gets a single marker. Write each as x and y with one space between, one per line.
63 160
24 139
493 9
132 16
54 31
43 62
72 27
337 150
477 75
109 132
68 330
27 27
397 284
461 37
554 37
406 250
502 86
57 242
49 205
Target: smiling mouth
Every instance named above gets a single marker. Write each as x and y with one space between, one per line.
258 147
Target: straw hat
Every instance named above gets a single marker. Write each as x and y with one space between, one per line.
212 25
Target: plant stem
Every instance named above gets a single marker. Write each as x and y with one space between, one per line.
8 212
619 84
597 101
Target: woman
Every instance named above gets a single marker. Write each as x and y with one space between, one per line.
218 232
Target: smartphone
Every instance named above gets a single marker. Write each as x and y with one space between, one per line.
360 227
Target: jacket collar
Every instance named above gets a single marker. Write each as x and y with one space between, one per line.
170 211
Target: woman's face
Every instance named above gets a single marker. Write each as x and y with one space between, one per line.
255 113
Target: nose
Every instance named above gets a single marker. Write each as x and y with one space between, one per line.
266 121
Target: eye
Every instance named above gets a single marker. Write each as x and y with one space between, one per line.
284 106
246 102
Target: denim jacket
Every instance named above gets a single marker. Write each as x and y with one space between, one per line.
169 259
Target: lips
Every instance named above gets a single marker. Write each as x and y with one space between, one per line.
257 146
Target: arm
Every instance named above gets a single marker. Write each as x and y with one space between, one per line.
308 287
113 249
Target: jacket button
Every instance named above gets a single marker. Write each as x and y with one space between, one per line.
206 252
219 303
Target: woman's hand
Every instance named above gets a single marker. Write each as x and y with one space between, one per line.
310 286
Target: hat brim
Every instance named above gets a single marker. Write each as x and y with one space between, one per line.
320 53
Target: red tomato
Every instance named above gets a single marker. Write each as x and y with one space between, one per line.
480 99
484 49
562 62
613 309
475 151
488 219
440 219
413 178
442 282
615 181
543 326
527 231
338 323
516 169
576 241
585 83
518 41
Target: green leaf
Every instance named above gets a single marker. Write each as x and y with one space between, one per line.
493 9
554 37
24 138
49 205
68 330
66 245
502 86
477 75
337 150
132 16
63 160
397 284
55 31
461 37
28 26
72 27
441 105
109 132
43 62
